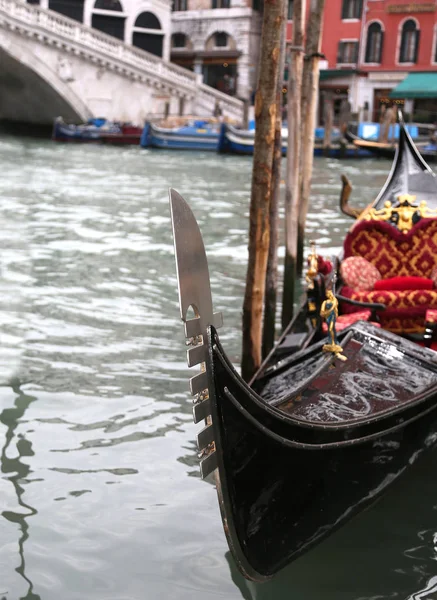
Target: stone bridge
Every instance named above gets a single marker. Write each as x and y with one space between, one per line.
53 66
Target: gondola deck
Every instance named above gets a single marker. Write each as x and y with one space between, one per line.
314 439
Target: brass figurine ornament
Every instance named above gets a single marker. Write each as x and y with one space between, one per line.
329 312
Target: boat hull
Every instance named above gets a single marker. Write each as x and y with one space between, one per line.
63 132
235 141
185 138
388 151
278 499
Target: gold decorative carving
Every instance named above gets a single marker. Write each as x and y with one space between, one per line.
402 215
312 266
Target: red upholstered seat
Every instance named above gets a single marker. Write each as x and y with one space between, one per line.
395 254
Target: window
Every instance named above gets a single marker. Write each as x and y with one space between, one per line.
290 10
221 3
347 53
179 5
74 10
179 40
109 5
375 37
220 39
409 42
148 34
147 20
352 9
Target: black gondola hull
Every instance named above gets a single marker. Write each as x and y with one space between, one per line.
278 499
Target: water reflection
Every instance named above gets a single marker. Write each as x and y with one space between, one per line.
18 471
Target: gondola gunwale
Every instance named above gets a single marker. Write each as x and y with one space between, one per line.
298 425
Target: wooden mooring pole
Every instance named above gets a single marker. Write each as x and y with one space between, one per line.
292 182
259 226
271 292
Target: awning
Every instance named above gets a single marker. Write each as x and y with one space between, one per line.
336 73
416 85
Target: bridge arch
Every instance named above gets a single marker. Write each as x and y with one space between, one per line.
30 91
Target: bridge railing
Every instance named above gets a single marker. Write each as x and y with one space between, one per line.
39 20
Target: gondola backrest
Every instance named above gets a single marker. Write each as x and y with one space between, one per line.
392 252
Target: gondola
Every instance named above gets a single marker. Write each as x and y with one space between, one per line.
330 420
234 140
428 150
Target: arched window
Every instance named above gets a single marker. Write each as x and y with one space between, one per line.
73 9
178 40
147 20
103 20
148 34
108 5
375 37
409 42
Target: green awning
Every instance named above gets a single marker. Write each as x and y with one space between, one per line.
416 85
335 73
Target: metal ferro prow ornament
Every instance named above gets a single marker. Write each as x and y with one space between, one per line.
195 293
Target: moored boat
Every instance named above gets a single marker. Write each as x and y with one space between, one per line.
128 135
194 135
345 403
387 150
242 141
97 131
91 131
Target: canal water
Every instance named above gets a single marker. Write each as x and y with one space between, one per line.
100 495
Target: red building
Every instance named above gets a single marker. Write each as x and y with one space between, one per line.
372 47
399 42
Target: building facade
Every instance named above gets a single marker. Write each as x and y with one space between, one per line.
398 39
219 39
370 47
142 23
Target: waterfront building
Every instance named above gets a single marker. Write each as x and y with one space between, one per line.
398 43
379 52
219 39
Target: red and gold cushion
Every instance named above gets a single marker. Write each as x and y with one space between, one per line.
405 310
359 273
392 252
404 283
344 321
